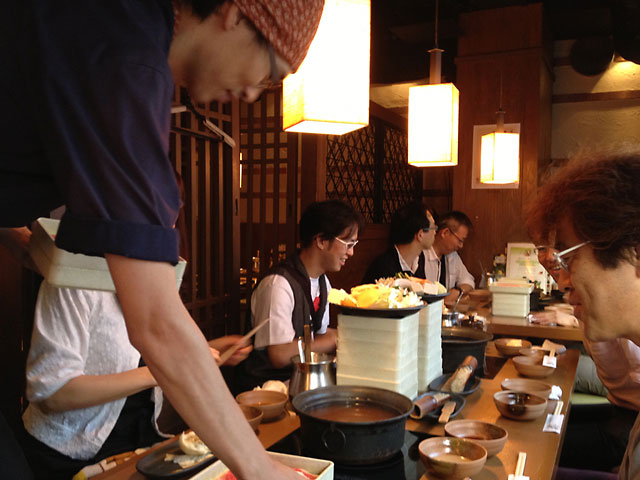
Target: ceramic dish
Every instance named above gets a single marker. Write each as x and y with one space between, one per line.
452 458
511 346
155 466
491 436
435 414
532 366
527 385
471 386
519 405
380 312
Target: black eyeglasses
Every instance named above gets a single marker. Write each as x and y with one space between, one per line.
274 77
430 229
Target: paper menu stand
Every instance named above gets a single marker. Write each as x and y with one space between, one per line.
522 262
73 270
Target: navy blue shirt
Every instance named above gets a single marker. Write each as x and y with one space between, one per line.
86 104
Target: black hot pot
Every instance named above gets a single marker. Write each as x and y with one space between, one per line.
352 424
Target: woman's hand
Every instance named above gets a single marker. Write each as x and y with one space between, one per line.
224 343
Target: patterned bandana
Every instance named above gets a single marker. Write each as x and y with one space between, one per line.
289 25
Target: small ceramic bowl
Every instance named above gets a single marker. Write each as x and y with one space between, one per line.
511 346
527 385
532 366
452 458
533 352
252 414
519 405
269 402
489 435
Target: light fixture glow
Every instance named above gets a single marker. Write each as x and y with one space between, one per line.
329 94
433 116
433 125
500 158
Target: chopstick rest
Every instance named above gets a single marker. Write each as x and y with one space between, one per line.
554 420
519 475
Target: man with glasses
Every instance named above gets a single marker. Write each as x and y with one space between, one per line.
87 90
590 213
412 230
295 293
443 264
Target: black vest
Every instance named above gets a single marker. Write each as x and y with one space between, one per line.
257 368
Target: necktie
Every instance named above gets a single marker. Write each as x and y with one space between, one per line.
443 271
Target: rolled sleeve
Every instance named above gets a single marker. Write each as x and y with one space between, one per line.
273 299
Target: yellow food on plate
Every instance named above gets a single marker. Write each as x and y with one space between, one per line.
376 296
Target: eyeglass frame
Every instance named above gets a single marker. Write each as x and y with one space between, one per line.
275 79
349 245
430 229
454 234
557 256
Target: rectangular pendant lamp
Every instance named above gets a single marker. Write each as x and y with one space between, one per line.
500 155
329 94
433 119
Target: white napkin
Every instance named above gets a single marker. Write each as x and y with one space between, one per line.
556 393
519 477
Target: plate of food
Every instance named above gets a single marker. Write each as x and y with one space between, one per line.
376 300
171 460
471 386
379 312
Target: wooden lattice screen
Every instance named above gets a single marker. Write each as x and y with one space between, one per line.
269 199
369 169
205 163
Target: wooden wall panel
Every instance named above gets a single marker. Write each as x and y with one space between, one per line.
490 48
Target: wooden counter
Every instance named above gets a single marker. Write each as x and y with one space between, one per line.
543 449
268 433
520 327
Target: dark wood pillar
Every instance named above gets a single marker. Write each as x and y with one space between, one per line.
514 44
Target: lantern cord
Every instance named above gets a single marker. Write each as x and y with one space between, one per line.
436 27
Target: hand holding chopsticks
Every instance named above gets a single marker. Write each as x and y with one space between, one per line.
226 355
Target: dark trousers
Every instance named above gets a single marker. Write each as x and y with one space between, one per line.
596 437
12 462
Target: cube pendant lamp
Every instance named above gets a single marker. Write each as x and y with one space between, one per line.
433 117
500 155
329 94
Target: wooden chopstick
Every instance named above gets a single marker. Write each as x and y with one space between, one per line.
558 408
522 458
231 350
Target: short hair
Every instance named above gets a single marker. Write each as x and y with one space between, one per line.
203 8
327 219
407 221
453 219
600 196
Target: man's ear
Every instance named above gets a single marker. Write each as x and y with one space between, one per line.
321 243
230 14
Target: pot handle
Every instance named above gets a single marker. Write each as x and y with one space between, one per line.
333 439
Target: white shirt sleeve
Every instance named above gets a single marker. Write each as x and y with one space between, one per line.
457 273
59 342
273 299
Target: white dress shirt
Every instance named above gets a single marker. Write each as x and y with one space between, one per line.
457 273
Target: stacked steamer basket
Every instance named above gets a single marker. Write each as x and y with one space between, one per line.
429 344
379 352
